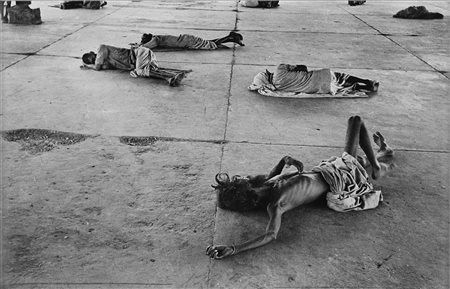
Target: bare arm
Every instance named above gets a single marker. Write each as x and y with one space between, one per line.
90 66
95 66
275 212
285 161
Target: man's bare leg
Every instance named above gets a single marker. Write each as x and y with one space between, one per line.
172 76
357 134
362 83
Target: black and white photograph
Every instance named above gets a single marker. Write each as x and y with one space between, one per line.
225 144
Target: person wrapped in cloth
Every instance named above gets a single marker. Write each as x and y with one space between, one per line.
140 61
296 79
187 41
259 3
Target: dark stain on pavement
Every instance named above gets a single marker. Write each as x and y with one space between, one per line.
138 141
24 251
42 140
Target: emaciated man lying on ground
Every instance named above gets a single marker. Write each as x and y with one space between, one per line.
140 61
344 180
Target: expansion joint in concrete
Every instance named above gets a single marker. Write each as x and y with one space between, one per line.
386 35
57 40
73 284
233 59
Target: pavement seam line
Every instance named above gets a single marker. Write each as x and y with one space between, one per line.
386 35
235 64
57 40
236 11
223 143
89 283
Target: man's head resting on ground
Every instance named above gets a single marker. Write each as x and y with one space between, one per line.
146 38
89 58
238 194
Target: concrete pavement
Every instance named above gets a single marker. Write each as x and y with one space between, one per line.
114 189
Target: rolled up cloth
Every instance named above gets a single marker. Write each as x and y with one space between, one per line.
350 189
145 61
146 66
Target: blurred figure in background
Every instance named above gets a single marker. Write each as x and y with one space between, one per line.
82 4
21 13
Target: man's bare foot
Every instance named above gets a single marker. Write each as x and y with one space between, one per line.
375 85
176 80
381 171
376 171
384 149
236 38
133 74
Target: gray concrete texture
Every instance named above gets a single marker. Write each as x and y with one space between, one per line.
90 208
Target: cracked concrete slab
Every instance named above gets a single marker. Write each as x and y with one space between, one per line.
8 59
170 18
344 50
297 7
315 239
256 118
330 23
390 25
90 38
117 104
37 39
187 4
104 212
380 7
56 16
431 49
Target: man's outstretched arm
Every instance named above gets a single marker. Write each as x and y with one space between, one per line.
95 66
220 251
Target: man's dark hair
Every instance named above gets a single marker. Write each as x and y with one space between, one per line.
87 57
237 194
146 37
268 4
